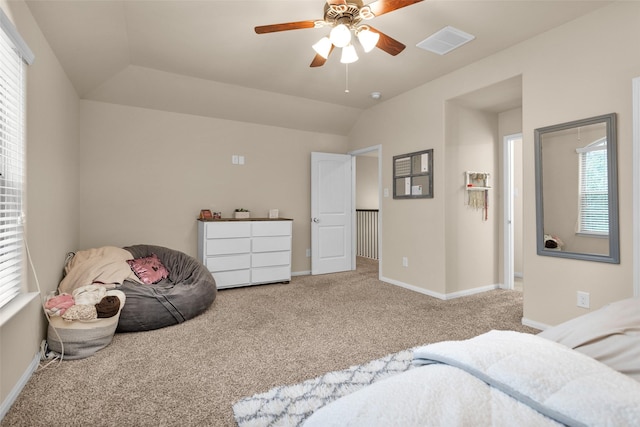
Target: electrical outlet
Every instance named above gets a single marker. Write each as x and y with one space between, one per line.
308 253
405 261
583 299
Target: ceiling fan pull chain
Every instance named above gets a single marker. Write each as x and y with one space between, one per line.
346 84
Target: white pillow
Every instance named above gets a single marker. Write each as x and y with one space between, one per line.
610 335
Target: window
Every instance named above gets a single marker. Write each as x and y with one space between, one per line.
13 55
593 198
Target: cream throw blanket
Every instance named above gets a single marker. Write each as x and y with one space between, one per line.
500 378
107 264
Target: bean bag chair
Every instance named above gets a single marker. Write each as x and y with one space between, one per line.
188 291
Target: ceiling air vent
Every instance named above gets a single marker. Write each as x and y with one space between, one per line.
445 40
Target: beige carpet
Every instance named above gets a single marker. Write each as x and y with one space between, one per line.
250 340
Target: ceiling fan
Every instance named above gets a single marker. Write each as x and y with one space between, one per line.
345 17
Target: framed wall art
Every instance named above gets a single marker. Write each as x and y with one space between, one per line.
413 175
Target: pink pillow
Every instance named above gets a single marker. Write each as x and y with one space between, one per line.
149 269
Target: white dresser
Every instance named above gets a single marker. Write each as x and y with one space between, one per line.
246 252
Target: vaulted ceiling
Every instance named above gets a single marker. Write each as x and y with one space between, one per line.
204 58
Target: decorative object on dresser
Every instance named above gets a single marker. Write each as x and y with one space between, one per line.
246 252
241 213
206 214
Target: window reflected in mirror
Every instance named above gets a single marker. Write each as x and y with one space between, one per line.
576 190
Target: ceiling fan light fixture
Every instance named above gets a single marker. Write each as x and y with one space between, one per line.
323 47
368 39
366 13
340 35
349 54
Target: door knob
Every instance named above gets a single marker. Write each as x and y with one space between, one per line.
316 220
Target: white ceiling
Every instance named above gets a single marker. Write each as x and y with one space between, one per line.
212 63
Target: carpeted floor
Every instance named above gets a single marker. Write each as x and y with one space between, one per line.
251 340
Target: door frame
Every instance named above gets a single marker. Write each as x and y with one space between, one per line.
636 184
508 233
354 154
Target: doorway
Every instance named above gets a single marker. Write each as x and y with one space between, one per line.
367 203
513 275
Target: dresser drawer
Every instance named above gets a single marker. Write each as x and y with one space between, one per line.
228 246
225 279
227 229
271 274
228 262
271 228
271 244
271 259
246 252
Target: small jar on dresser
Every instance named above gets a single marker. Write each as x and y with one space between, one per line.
244 252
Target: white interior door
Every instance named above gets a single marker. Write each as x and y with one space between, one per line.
511 217
331 213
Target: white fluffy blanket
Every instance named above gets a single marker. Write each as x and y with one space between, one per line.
500 378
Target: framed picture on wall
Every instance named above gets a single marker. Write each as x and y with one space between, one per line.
413 175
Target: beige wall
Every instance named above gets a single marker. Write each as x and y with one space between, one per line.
471 234
603 60
557 68
367 182
510 123
52 196
145 175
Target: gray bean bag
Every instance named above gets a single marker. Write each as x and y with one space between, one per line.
188 291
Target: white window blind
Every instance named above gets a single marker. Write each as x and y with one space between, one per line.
12 162
594 189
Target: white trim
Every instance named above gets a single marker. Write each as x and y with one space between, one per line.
301 273
15 391
508 210
438 295
12 33
534 324
413 288
636 184
352 213
16 305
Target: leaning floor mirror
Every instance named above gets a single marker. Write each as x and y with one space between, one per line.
577 190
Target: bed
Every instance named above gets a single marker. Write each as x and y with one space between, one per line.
155 287
584 372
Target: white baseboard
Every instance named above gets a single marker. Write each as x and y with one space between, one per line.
534 324
15 391
438 295
300 273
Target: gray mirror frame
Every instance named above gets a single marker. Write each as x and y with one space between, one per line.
612 165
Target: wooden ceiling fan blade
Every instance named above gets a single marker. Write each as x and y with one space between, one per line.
380 7
284 27
388 44
319 60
